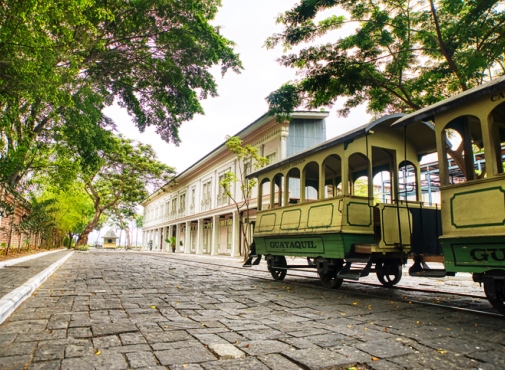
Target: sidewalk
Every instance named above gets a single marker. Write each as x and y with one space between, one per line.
20 277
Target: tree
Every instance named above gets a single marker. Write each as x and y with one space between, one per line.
72 209
128 170
246 156
64 61
403 55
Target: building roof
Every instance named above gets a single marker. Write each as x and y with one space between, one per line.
384 121
110 234
264 119
428 113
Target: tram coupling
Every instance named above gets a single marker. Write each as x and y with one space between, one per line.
250 262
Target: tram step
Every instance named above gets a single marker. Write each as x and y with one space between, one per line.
357 259
429 273
351 275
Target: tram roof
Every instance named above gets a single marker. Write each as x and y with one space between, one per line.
428 113
385 121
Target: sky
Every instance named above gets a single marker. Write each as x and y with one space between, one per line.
241 97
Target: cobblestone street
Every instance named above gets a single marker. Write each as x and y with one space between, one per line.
120 310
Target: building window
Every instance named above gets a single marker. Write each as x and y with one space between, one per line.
272 157
182 205
222 198
174 208
192 201
206 195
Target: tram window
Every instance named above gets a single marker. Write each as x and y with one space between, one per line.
332 169
497 132
311 185
358 175
264 195
293 185
383 161
382 187
279 190
407 182
465 149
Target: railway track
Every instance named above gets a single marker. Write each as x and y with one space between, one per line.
460 301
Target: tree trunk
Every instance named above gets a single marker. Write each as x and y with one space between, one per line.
83 237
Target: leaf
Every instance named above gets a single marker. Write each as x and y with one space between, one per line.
442 351
98 352
153 306
375 359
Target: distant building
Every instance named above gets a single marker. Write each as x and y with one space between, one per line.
193 207
109 240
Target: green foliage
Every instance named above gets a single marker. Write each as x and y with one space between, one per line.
402 55
126 174
64 61
246 155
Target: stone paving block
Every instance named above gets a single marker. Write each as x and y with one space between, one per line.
319 359
194 354
16 349
278 362
84 332
132 338
248 363
495 357
300 343
185 367
207 339
45 335
167 336
127 349
232 337
263 347
113 361
263 334
49 350
15 362
45 365
435 360
225 351
101 329
106 341
175 345
74 350
141 359
385 348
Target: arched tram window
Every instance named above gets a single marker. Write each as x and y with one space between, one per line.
465 148
497 138
358 175
311 186
332 167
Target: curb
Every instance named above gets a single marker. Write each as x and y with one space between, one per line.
11 301
27 258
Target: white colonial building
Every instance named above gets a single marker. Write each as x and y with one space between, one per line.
193 207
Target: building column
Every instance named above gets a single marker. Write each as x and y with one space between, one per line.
199 231
161 244
178 237
213 241
187 238
284 142
235 235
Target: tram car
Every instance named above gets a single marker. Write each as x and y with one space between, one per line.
353 205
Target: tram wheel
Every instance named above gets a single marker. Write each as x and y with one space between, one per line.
277 261
389 273
497 286
330 280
